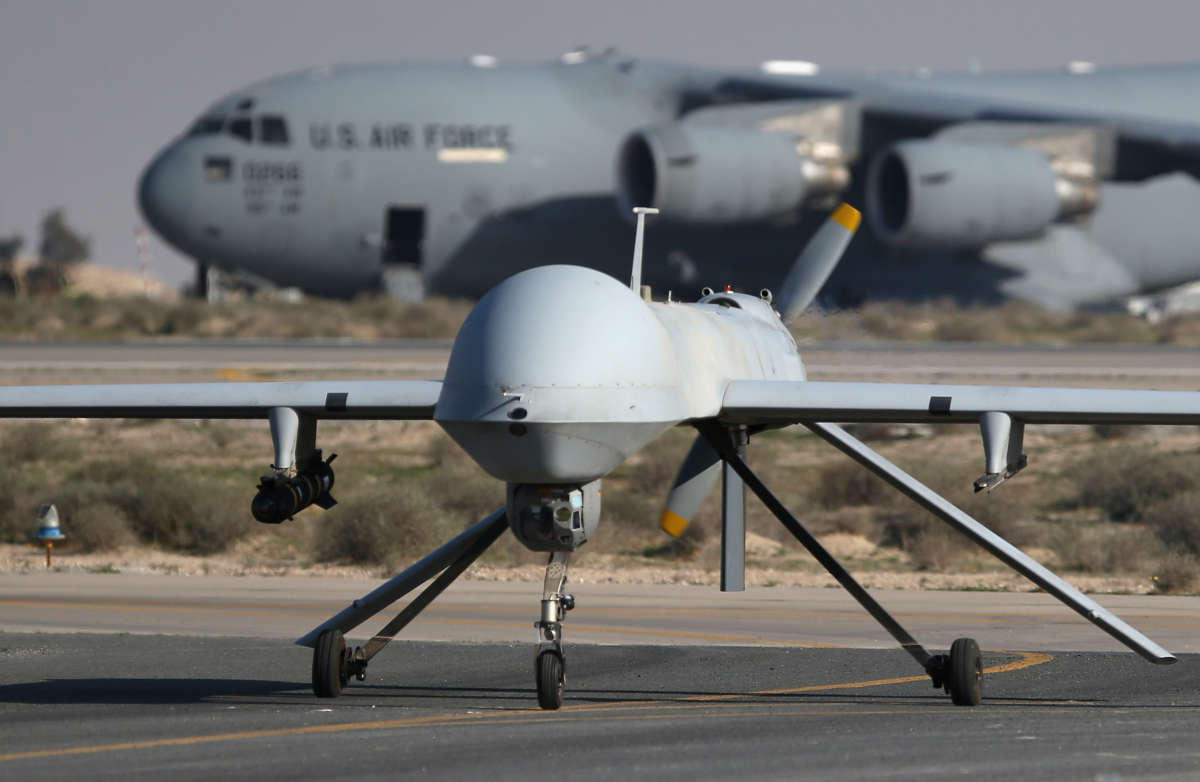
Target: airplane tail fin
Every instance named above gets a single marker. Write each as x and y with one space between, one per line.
817 262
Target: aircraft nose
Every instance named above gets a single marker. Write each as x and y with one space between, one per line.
165 194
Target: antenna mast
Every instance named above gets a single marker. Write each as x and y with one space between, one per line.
635 281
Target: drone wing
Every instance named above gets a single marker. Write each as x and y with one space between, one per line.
372 399
785 402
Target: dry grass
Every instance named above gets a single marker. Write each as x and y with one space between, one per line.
1176 572
376 317
1105 548
1124 482
368 317
1012 323
1176 521
175 486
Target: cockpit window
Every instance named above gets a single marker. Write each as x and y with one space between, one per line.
207 126
240 128
272 129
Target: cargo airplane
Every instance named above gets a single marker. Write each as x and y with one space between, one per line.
451 177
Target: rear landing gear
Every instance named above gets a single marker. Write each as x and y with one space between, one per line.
959 673
330 670
964 673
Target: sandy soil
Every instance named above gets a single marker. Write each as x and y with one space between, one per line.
595 569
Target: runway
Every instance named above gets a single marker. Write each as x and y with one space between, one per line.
126 675
1123 366
673 682
104 707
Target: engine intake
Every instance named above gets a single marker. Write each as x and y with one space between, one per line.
713 174
953 195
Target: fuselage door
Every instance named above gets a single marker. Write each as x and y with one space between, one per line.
403 251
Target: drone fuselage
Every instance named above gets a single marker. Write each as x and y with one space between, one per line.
561 372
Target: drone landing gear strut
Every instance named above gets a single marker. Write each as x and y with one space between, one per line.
550 667
334 663
959 673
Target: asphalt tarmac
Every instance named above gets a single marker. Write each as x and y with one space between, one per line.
664 682
163 707
1123 366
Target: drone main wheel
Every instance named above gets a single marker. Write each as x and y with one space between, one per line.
329 670
964 673
551 678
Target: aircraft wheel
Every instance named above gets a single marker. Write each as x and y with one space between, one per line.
329 673
964 673
551 678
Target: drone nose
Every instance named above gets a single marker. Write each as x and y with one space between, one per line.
165 194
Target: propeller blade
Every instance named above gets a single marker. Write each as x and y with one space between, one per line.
817 262
699 473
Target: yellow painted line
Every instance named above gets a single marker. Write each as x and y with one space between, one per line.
1028 660
524 715
657 633
412 722
123 605
143 606
182 741
243 375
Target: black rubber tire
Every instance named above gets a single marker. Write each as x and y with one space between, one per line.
551 679
964 673
329 664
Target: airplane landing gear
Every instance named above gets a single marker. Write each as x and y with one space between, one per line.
959 673
330 669
550 663
964 673
551 679
334 663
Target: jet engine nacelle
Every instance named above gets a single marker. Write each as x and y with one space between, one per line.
554 517
699 173
950 195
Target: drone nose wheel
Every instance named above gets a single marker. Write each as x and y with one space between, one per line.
551 679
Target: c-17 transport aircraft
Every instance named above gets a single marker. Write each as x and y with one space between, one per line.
562 372
451 177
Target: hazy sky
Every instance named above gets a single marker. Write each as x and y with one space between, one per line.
90 90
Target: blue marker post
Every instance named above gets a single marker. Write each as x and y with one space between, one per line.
48 529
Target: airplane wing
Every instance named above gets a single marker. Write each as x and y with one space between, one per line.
900 107
327 399
788 402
